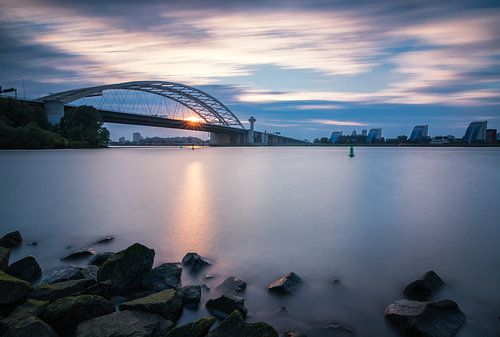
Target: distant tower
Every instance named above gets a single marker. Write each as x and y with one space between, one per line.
252 121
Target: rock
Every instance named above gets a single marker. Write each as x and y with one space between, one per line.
208 277
293 333
423 288
224 305
32 243
285 284
194 261
11 239
125 324
190 295
29 327
234 325
126 268
166 303
79 254
199 328
90 272
26 269
12 289
165 276
101 288
51 292
4 258
30 308
336 281
63 274
205 287
66 313
106 239
99 258
231 285
429 319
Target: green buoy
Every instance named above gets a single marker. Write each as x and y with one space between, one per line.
351 152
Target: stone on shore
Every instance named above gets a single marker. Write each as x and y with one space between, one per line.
51 292
79 254
194 261
165 276
125 324
11 240
26 269
190 295
429 319
12 289
423 288
4 258
30 308
293 333
224 305
166 303
101 288
29 327
234 325
63 274
99 258
106 239
231 286
285 284
198 328
126 268
66 313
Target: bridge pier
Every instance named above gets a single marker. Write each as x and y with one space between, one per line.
54 110
227 139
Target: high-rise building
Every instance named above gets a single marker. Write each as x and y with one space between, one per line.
419 133
136 137
476 132
334 138
122 140
354 133
491 135
364 132
375 135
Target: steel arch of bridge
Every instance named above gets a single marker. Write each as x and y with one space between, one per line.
204 105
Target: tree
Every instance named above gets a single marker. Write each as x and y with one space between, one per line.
82 127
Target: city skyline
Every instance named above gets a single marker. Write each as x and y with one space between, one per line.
302 69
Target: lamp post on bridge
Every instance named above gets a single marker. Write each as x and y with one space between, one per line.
252 121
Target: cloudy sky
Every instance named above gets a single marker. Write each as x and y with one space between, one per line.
304 68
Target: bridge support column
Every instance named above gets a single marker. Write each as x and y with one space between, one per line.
219 139
54 110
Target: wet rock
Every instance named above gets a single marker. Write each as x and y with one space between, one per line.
51 292
125 324
234 325
66 313
165 276
90 272
29 308
208 277
99 258
205 287
166 303
126 268
12 289
11 239
101 288
224 305
285 284
26 269
198 328
231 285
79 254
107 239
336 326
430 319
4 258
194 261
29 327
423 288
32 243
336 281
190 295
293 333
63 274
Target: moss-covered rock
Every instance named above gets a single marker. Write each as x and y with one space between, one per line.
165 276
126 268
11 239
26 269
99 258
22 312
52 292
66 313
234 325
12 289
125 324
198 328
190 295
166 303
4 258
29 327
224 305
62 274
101 288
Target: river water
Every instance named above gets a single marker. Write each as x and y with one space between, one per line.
375 222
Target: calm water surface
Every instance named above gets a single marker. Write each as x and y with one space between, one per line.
375 222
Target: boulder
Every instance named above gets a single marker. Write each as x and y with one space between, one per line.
293 333
63 274
190 295
101 288
66 313
51 292
12 289
99 258
26 269
231 285
125 324
165 276
126 268
106 239
423 288
194 261
166 303
11 239
234 325
224 305
79 254
30 308
428 319
90 272
4 258
29 327
285 284
198 328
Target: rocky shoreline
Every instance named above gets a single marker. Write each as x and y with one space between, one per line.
120 295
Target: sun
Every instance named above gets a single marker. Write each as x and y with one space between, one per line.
193 119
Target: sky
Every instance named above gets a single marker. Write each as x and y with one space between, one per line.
303 68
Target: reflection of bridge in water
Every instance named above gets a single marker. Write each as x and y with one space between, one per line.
163 104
